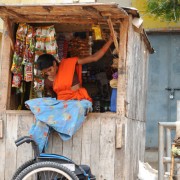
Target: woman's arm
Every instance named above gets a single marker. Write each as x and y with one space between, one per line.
96 56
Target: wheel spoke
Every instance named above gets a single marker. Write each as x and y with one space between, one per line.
51 176
44 175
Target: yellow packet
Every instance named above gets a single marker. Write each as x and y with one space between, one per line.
97 32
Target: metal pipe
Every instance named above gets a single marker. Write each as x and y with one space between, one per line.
168 146
161 152
171 125
165 160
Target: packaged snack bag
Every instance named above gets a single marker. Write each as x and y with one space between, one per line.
51 47
38 84
51 31
29 47
16 81
44 31
21 31
17 60
97 32
38 31
28 72
15 69
40 43
16 65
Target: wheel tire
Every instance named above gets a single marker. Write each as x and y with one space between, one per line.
22 167
46 166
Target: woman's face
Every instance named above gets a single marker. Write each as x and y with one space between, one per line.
50 71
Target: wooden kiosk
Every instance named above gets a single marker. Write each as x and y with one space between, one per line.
111 143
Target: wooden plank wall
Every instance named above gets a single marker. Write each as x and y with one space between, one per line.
93 144
137 69
136 76
134 148
5 64
16 125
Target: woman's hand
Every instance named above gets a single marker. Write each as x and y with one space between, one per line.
27 106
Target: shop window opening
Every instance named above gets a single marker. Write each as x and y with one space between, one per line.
32 40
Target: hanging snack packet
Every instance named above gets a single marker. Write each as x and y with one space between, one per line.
16 67
40 43
21 31
16 81
40 39
28 72
29 46
38 84
38 31
97 32
51 31
51 45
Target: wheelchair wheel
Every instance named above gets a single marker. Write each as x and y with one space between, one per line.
22 167
47 170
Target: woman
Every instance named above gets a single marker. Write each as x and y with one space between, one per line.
66 114
65 80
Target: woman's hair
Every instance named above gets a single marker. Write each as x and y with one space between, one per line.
45 61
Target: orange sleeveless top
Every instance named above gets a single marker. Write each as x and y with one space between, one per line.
64 78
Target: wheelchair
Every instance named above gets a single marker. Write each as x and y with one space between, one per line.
50 166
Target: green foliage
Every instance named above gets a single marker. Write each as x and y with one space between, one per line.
168 10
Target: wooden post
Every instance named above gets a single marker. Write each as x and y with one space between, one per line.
10 33
1 128
122 68
119 138
113 34
172 164
5 66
